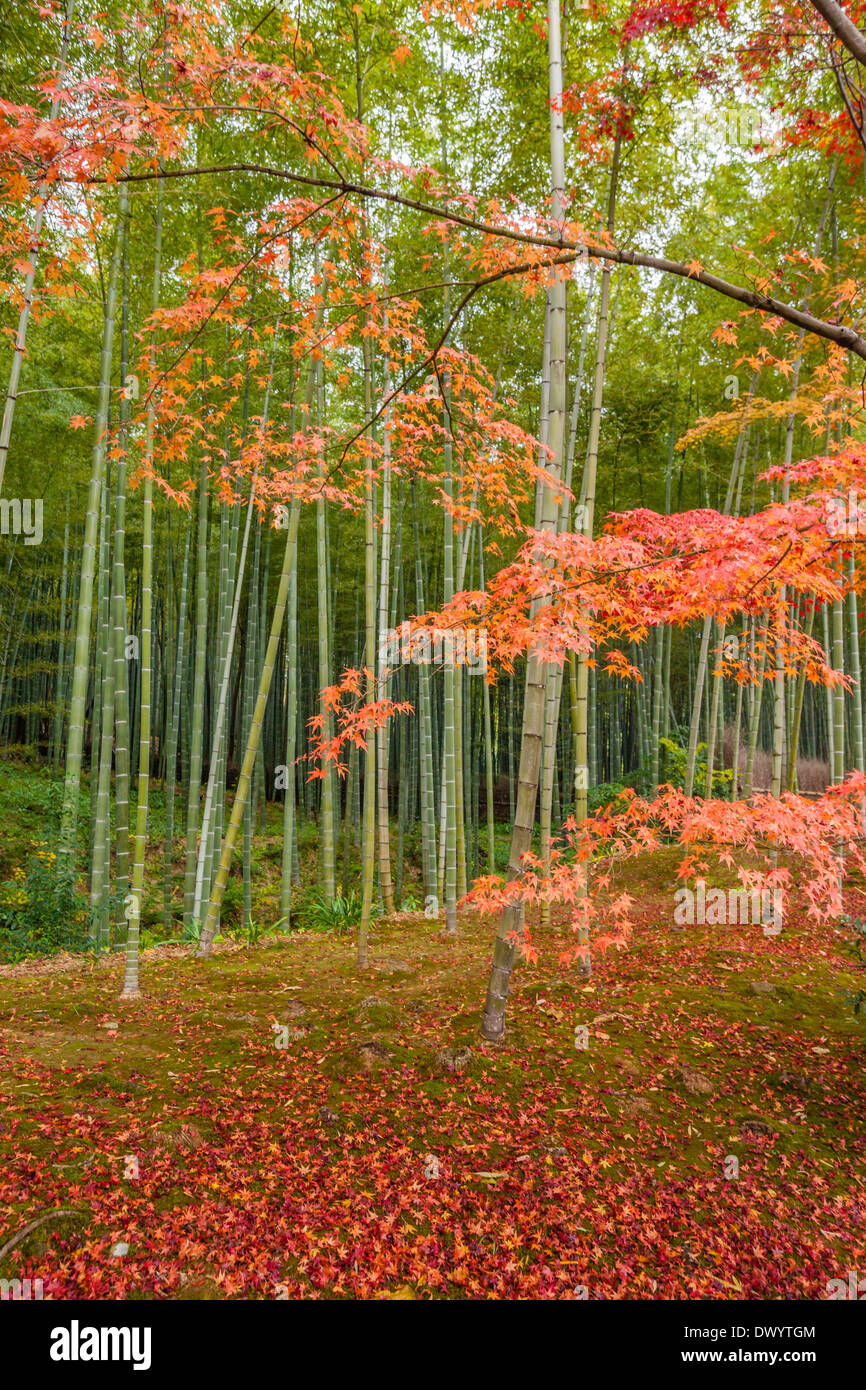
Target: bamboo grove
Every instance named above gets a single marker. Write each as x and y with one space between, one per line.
422 425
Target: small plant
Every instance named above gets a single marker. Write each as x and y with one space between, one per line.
255 933
857 998
340 914
602 794
42 911
252 932
191 933
233 901
676 759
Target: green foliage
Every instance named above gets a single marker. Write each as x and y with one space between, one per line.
340 914
602 795
233 902
857 997
675 763
42 911
252 933
191 933
31 805
308 835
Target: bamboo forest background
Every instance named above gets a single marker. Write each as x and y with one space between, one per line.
186 577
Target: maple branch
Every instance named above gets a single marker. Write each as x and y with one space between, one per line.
765 576
430 359
227 107
614 571
339 186
846 32
219 302
839 333
267 14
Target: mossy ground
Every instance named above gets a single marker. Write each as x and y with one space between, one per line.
308 1168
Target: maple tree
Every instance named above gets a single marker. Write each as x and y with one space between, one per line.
302 308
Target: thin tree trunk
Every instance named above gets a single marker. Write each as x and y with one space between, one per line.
289 828
173 729
384 834
118 617
511 918
368 827
700 680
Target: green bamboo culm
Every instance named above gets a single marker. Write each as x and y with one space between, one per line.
60 686
327 839
81 659
382 789
253 741
425 742
118 645
134 901
176 695
193 805
368 815
291 724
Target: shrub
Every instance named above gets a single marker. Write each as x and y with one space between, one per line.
42 911
676 762
602 795
251 933
339 914
857 949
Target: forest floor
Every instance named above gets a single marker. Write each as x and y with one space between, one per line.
170 1148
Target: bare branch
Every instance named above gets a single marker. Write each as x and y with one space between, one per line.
842 334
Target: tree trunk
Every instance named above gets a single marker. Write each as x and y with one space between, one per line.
511 918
